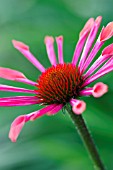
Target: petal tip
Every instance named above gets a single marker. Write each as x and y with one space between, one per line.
78 106
99 89
107 32
98 20
18 44
87 26
48 39
59 38
16 128
108 50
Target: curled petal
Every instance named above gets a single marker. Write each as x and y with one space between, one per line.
107 32
16 127
108 50
78 106
99 89
87 26
10 74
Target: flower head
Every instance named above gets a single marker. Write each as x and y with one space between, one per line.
62 82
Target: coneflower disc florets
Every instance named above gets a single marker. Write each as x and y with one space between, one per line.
58 84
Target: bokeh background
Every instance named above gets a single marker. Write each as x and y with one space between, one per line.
51 143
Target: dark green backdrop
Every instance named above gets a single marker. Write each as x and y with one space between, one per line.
51 143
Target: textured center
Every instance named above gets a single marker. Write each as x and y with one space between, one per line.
58 84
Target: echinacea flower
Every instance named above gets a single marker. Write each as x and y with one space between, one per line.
61 83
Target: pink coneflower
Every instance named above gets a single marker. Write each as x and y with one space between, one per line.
61 83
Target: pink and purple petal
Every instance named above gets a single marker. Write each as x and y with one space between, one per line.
78 106
14 75
55 110
15 89
107 32
18 101
59 41
90 41
49 41
107 53
82 38
24 49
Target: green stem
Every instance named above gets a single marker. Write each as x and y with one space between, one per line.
86 137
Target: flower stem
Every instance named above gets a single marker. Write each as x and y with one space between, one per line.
86 137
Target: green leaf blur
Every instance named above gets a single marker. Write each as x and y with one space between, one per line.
51 142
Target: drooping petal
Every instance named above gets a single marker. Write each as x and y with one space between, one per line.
42 111
16 127
78 106
106 32
15 89
59 41
24 49
55 110
49 41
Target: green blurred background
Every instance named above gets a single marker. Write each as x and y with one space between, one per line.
51 143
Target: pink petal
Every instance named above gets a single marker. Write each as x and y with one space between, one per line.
90 40
16 127
86 92
96 65
18 44
10 74
108 50
99 89
15 89
98 20
55 110
87 26
107 32
79 48
101 72
24 49
50 49
26 81
18 101
78 106
42 111
59 41
14 75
